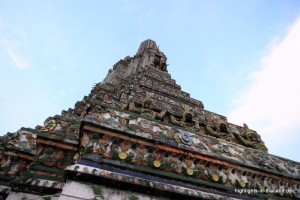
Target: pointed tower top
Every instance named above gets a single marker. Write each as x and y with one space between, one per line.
147 44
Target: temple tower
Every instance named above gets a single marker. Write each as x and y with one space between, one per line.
137 135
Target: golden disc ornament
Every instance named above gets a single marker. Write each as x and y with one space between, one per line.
242 183
157 163
189 171
215 177
122 155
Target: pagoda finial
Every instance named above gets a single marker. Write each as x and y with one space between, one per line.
147 44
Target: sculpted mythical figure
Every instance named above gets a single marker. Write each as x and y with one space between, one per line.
146 109
251 139
220 130
186 120
159 62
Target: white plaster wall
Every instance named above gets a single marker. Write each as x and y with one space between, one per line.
26 196
78 191
75 190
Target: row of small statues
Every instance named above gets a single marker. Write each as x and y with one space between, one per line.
218 129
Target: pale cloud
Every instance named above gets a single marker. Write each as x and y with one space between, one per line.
271 102
12 46
18 60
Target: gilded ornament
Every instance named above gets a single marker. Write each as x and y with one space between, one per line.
50 126
215 177
157 163
242 183
189 171
122 155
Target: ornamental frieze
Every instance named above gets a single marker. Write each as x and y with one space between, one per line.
54 157
12 164
101 146
197 142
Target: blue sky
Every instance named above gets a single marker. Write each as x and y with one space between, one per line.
239 57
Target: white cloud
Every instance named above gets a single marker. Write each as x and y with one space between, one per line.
11 45
19 61
271 102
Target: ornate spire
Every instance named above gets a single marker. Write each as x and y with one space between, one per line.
147 44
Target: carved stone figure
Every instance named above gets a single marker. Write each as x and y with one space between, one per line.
159 62
251 139
132 107
147 108
156 62
186 121
163 64
220 130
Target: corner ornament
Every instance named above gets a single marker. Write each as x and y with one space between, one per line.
251 139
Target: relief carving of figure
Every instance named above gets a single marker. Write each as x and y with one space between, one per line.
146 109
251 139
220 130
132 107
159 62
186 121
